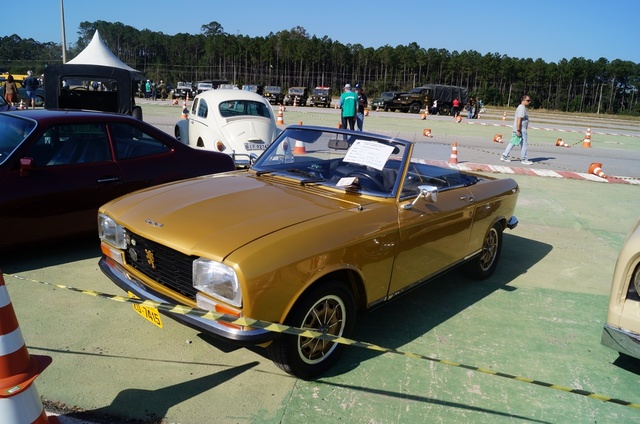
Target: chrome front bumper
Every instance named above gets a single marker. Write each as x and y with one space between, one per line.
127 282
621 340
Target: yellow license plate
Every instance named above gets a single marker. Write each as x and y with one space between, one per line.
146 312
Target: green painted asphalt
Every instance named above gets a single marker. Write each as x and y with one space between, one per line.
539 316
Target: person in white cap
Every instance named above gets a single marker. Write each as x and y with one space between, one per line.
349 106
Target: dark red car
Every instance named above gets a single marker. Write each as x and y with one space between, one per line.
58 167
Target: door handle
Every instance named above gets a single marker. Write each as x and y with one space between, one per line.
469 198
108 180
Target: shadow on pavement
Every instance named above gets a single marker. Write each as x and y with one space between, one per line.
435 302
158 402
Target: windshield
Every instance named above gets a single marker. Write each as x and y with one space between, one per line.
344 160
271 89
321 91
13 131
296 90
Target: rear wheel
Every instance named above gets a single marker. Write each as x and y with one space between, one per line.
137 112
482 266
414 107
328 308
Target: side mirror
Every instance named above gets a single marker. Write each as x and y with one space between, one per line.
26 165
429 193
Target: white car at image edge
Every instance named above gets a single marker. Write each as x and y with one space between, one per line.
236 122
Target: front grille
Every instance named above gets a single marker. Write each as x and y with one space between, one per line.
163 265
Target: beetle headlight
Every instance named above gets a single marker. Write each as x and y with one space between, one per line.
111 232
218 280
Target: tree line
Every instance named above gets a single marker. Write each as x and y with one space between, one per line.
294 58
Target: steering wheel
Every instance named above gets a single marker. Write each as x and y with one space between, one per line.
367 178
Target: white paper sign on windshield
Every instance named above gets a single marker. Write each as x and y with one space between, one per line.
369 153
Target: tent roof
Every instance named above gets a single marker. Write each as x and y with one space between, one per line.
97 53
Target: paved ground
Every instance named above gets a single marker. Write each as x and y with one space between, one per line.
539 316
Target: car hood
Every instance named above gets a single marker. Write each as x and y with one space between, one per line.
219 214
242 129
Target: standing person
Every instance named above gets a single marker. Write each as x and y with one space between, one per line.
434 107
470 108
30 84
456 107
10 91
520 125
362 104
349 105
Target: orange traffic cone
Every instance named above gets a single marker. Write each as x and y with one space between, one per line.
295 101
185 110
299 122
366 112
423 116
21 105
299 149
497 138
587 139
504 116
339 125
458 119
427 132
560 143
19 399
453 159
596 169
280 120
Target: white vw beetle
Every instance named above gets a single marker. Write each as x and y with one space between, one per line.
237 122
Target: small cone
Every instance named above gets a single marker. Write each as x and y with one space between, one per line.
561 143
295 101
504 116
185 111
423 116
497 138
366 112
453 159
339 125
587 139
458 119
21 105
596 169
299 122
19 399
280 120
299 148
427 132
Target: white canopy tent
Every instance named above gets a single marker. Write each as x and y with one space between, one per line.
97 53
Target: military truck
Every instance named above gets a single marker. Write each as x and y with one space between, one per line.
422 97
297 96
321 96
273 94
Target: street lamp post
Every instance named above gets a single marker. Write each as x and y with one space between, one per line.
64 39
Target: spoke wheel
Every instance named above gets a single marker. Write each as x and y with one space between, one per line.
483 265
328 308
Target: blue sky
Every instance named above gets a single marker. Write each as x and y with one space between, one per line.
548 29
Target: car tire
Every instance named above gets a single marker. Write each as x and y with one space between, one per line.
482 266
137 112
414 108
305 357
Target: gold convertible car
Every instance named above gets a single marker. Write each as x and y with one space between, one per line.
326 224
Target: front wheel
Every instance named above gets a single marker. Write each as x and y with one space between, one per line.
328 308
483 265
